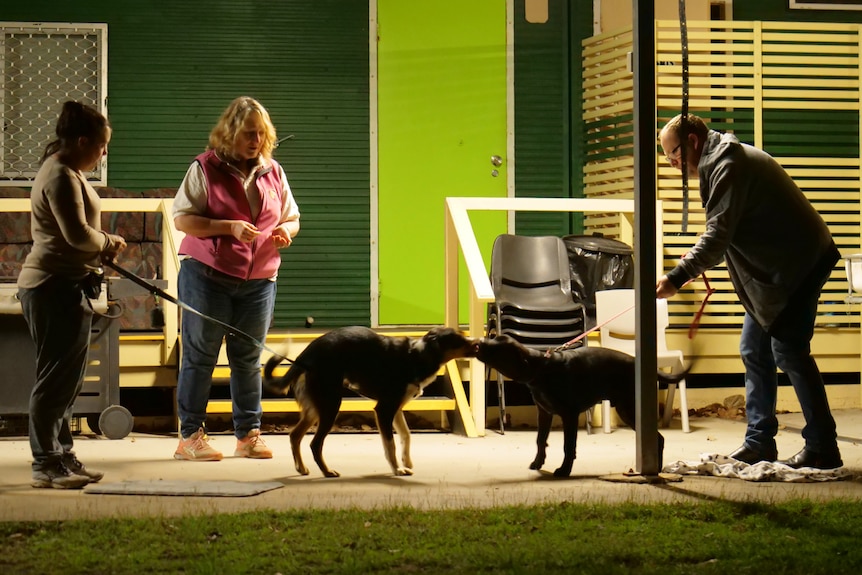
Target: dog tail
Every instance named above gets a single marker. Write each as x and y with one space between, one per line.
665 377
279 385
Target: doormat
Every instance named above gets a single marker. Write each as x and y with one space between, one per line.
184 488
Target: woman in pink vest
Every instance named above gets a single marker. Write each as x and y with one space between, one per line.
236 209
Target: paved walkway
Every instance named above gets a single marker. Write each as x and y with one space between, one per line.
450 471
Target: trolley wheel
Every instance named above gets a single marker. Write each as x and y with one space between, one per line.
116 422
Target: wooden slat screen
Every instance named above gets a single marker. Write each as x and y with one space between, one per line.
792 89
608 112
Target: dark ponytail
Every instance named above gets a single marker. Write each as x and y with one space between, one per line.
76 120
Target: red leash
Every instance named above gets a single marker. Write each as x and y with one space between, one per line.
572 342
692 329
695 323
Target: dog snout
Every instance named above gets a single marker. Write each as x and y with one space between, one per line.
470 347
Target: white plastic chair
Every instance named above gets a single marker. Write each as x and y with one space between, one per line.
853 267
619 334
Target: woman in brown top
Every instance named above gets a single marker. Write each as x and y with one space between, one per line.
67 245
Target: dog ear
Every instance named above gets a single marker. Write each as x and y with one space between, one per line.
432 336
431 340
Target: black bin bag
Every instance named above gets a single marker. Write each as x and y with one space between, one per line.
598 263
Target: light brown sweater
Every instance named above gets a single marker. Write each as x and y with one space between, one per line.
65 224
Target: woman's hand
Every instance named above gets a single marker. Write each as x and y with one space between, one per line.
281 237
116 244
243 231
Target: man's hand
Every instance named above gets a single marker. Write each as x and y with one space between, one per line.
664 288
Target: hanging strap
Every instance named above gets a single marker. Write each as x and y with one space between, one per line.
683 37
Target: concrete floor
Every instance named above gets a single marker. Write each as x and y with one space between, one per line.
451 471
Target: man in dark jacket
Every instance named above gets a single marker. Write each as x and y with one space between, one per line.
779 255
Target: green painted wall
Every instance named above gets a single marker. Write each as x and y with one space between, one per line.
442 115
549 131
174 66
543 116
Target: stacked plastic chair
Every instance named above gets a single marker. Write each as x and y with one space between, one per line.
532 297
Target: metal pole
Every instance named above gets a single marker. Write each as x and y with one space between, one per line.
643 63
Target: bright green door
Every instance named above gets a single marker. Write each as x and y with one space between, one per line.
442 116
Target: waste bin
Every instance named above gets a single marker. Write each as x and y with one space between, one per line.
598 263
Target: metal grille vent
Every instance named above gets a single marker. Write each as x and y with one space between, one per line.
42 66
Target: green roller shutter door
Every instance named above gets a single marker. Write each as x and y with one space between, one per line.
174 66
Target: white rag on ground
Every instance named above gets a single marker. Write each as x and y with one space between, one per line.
716 465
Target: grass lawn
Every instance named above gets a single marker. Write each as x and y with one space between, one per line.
718 537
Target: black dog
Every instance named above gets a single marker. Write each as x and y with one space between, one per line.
567 383
391 370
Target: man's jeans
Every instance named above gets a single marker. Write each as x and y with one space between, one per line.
788 347
245 305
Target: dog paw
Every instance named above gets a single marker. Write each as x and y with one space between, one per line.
563 472
403 471
331 473
302 470
537 464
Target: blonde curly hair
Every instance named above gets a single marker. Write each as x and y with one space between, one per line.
223 135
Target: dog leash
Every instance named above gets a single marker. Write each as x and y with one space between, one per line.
229 329
695 323
575 340
692 329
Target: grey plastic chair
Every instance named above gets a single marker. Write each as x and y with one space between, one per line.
532 297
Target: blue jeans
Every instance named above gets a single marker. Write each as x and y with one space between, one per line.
59 320
245 305
787 346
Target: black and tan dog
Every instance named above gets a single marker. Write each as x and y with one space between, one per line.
567 383
391 370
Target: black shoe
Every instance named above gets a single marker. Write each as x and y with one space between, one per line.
807 458
752 456
78 468
57 475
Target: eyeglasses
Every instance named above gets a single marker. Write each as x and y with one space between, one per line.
672 156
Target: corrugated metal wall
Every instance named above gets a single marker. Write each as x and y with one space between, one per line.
549 129
542 116
174 66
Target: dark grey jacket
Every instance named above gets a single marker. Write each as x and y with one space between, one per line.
761 223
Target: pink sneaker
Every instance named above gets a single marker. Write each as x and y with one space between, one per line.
252 446
197 448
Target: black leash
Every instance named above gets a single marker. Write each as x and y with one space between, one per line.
683 37
229 329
